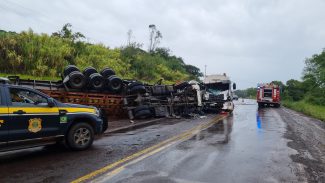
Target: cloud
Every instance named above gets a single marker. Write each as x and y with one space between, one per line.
252 41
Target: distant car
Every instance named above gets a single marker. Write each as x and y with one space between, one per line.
29 118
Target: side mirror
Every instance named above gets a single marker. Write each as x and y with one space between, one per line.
50 102
234 86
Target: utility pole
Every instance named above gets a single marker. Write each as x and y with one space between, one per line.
205 71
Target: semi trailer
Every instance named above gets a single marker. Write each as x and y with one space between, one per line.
120 98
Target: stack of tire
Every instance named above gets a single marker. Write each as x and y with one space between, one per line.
112 83
135 88
73 78
90 79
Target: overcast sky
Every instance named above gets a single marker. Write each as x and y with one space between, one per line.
252 41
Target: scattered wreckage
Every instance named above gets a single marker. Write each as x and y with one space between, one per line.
118 98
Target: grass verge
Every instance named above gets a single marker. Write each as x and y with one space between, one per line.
315 111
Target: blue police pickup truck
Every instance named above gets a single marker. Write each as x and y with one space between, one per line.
29 118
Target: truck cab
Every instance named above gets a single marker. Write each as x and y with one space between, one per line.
219 92
268 95
29 118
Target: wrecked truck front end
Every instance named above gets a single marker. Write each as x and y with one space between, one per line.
218 93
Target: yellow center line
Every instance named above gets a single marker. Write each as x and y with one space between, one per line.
148 151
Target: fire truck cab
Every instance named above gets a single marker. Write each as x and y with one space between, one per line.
268 95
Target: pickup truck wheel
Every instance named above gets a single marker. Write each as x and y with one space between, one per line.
80 136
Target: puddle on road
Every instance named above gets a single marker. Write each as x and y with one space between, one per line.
216 134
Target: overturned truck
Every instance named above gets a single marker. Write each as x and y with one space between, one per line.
118 98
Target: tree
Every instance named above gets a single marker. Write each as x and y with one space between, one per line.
163 52
66 32
194 71
294 90
315 69
154 38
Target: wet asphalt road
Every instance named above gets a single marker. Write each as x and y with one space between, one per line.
266 145
57 164
250 146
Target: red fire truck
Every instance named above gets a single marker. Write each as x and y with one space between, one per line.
268 95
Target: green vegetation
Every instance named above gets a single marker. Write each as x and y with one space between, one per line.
247 93
315 111
45 56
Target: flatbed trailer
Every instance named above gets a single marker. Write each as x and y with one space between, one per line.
110 104
118 106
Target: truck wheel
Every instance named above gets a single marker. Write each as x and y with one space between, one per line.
96 81
140 108
260 105
138 89
89 71
77 80
114 83
107 72
146 113
105 120
68 69
80 136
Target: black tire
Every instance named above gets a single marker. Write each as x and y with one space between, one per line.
140 108
89 71
77 80
68 69
114 83
80 136
107 72
96 81
143 114
260 105
140 89
105 120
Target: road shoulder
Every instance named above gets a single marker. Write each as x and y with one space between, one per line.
307 137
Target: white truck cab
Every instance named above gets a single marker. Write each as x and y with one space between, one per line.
219 90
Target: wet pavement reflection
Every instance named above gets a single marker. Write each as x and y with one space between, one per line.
247 146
